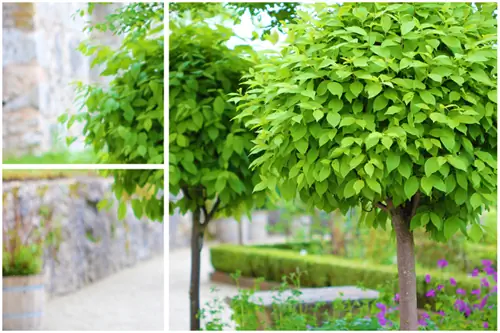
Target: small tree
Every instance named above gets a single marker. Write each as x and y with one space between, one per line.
387 106
124 123
208 160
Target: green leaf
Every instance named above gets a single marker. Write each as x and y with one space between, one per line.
386 23
302 145
373 89
369 169
451 226
335 89
492 95
333 119
380 103
476 200
374 185
122 210
407 26
431 166
219 105
318 114
142 150
358 185
475 232
411 187
357 30
392 161
436 220
356 88
457 163
427 97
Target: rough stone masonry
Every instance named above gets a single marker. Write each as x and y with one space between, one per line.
40 62
93 243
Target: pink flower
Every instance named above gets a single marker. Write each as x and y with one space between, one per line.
476 292
453 282
475 272
486 263
442 263
460 291
427 278
431 293
396 298
485 283
441 312
489 270
483 302
440 287
485 325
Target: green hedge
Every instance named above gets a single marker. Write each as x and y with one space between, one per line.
322 271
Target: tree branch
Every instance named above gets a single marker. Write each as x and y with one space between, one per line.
186 193
382 206
213 211
415 201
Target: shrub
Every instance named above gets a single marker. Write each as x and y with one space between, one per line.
321 271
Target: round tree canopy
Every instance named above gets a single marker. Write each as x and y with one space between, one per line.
382 105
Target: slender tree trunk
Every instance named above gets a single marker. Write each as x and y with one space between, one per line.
406 271
194 288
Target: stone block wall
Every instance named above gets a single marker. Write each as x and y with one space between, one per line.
93 244
40 62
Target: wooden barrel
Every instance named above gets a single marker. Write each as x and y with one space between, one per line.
23 302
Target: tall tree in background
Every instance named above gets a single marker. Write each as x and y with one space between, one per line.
209 153
387 106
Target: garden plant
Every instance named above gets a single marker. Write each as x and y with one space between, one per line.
124 122
387 106
209 154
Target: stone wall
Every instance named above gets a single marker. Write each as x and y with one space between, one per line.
92 244
40 62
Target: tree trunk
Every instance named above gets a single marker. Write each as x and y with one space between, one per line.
406 272
194 288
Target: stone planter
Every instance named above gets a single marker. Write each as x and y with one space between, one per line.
228 230
23 302
301 226
258 226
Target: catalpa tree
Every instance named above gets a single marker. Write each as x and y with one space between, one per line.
387 106
208 152
124 122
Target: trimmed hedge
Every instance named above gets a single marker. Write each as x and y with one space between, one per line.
322 271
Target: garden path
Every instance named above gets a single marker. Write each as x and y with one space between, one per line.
180 267
131 299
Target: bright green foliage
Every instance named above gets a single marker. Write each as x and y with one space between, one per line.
208 151
143 189
373 103
124 122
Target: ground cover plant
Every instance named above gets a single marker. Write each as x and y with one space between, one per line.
456 310
387 106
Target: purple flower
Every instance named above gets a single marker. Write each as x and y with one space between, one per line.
485 283
460 305
442 263
381 319
486 263
422 322
489 270
381 307
495 276
425 315
440 287
427 278
396 298
453 282
431 293
475 272
460 291
476 292
485 325
483 302
441 312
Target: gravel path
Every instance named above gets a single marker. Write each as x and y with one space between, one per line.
131 299
180 267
